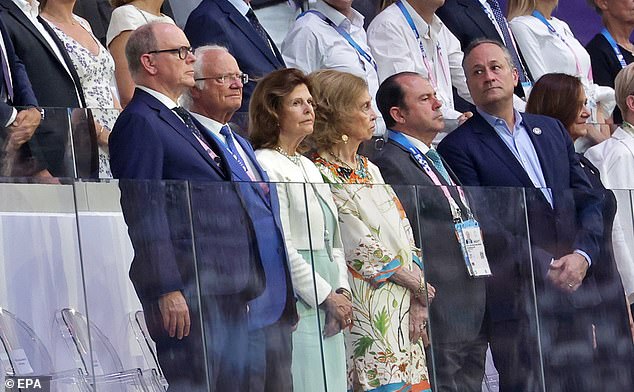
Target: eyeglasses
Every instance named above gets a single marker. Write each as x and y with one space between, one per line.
183 51
231 78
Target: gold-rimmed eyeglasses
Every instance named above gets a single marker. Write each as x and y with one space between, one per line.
183 51
230 77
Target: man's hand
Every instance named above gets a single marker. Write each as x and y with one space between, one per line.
464 117
418 316
568 272
22 129
175 314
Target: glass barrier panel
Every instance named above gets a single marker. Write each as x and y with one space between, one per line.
141 288
40 270
582 314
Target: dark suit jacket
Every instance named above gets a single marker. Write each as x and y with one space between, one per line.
458 309
480 158
24 164
52 85
218 22
467 21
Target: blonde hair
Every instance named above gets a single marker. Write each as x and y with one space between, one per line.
520 7
335 93
624 86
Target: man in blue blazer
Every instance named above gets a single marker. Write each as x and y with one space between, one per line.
18 125
232 24
199 261
500 147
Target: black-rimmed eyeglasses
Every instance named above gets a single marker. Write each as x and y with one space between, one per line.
183 51
231 78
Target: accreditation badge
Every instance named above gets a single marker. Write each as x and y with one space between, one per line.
470 239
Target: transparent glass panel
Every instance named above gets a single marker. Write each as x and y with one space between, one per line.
138 259
40 271
583 321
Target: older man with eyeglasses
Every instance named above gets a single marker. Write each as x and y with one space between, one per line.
230 295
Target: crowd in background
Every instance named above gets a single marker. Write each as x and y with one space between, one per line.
342 119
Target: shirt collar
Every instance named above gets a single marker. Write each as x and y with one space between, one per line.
356 19
31 8
425 30
211 124
164 99
493 120
422 147
241 6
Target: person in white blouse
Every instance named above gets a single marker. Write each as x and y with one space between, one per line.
126 17
615 160
281 115
409 36
331 36
548 46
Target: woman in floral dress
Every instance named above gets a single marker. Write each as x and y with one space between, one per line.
385 344
94 66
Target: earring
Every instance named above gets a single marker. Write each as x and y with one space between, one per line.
344 138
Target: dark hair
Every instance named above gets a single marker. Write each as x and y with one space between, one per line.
119 3
481 41
556 95
266 102
390 94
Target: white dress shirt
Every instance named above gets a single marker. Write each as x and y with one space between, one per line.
545 52
615 160
214 126
396 49
312 44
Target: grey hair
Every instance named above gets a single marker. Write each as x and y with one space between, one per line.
624 86
186 99
141 41
481 41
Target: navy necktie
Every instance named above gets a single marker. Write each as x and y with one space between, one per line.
437 162
257 26
499 17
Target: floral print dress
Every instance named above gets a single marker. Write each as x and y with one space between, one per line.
96 74
378 240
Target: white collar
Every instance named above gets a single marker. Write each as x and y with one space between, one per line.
422 147
211 124
432 29
356 19
31 8
164 99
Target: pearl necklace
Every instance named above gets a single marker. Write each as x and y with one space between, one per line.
295 158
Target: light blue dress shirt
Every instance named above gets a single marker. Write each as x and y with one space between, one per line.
520 144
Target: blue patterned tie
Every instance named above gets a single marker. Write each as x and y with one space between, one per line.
499 17
226 132
437 162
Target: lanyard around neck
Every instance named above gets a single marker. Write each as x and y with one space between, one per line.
400 139
430 70
345 35
614 46
554 32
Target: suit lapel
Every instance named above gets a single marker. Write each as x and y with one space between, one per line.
241 23
13 9
67 59
246 146
172 119
496 145
474 11
540 142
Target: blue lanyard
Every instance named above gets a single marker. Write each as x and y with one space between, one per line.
415 152
615 47
410 21
344 34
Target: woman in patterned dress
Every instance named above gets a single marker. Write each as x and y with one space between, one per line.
385 345
94 66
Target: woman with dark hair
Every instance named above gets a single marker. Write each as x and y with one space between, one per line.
562 96
388 286
281 115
